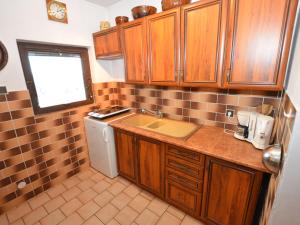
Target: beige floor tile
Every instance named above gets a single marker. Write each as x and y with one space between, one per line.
54 204
101 186
87 195
35 216
38 200
116 188
88 210
111 180
139 203
86 184
147 195
113 222
107 213
97 177
132 190
124 181
18 212
71 193
18 222
85 175
176 212
169 219
71 182
71 206
56 190
121 200
126 216
93 221
158 206
3 219
53 218
147 217
73 219
103 198
188 220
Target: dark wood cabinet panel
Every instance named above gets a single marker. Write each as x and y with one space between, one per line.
259 43
184 198
107 44
126 154
202 42
163 44
230 193
150 164
134 43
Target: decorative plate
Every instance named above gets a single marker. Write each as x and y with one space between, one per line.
3 56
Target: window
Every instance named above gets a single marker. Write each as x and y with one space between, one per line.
57 77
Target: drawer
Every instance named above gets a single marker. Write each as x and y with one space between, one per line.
184 180
185 167
191 156
185 199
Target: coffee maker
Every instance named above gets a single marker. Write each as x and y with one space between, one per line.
255 128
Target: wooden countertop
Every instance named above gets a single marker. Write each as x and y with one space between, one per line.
208 140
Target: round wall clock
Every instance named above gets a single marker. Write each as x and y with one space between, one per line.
3 56
57 11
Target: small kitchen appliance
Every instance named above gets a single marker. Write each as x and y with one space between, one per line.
111 111
255 128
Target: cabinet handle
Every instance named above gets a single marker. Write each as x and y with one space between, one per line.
181 167
228 73
185 154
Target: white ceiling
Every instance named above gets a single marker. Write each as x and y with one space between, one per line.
103 2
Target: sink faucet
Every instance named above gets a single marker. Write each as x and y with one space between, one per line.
157 113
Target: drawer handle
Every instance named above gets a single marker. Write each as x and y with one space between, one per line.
182 167
178 152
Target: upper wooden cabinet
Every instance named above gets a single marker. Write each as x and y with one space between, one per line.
203 27
163 44
230 193
107 44
134 42
258 43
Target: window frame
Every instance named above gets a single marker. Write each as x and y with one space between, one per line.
26 47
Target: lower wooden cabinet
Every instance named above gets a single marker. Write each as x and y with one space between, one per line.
126 154
230 193
214 191
150 165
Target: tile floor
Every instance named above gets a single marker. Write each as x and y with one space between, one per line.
90 198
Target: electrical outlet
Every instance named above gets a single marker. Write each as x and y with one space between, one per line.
229 113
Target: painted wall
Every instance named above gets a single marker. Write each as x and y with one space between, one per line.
27 20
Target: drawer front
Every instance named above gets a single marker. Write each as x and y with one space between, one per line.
185 167
184 180
187 200
191 156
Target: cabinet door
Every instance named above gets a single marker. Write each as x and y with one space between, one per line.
230 193
259 42
107 44
202 42
163 44
134 42
126 155
150 155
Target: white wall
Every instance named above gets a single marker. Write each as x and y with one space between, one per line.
27 20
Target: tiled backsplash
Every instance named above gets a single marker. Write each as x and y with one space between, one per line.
202 106
44 150
41 150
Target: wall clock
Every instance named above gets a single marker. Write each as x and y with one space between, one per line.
3 56
57 11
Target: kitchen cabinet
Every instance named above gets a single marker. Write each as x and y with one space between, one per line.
230 193
126 154
163 32
134 43
258 43
107 44
203 27
150 165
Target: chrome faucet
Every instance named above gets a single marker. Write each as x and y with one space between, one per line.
156 113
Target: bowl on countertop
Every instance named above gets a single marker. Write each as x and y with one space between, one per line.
142 11
169 4
121 19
